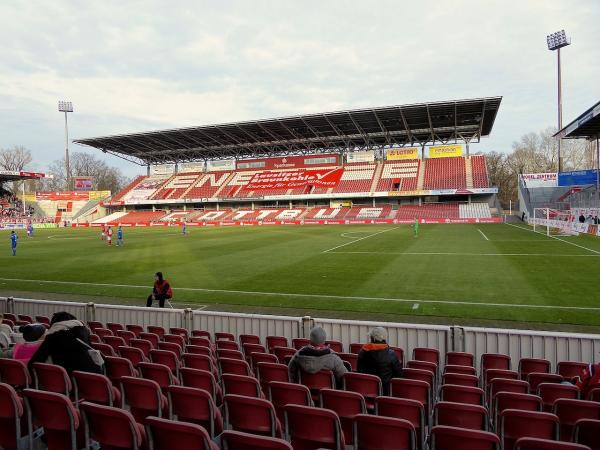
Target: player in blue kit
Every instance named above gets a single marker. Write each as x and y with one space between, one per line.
120 236
13 242
184 228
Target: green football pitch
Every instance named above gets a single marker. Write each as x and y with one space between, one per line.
495 275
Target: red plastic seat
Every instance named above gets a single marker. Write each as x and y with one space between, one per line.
414 390
350 358
159 331
570 411
283 393
59 418
369 386
92 324
256 358
473 417
201 362
431 355
491 374
198 350
227 345
462 394
459 359
114 327
202 379
535 379
460 379
419 374
276 341
506 385
133 354
166 434
52 378
12 424
267 372
135 329
45 320
235 366
178 339
152 337
181 332
251 415
336 346
117 368
284 354
161 374
166 358
594 394
404 408
103 332
112 428
144 398
571 369
249 339
241 385
14 373
115 342
546 444
95 388
323 379
512 400
201 341
533 365
422 365
310 428
550 392
169 347
375 433
95 339
25 318
494 361
298 343
236 440
452 438
463 370
200 334
126 335
515 424
587 432
231 354
224 336
197 406
103 348
347 405
143 344
250 347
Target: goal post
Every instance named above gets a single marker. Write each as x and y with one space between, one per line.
553 222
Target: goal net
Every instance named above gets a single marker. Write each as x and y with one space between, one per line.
554 222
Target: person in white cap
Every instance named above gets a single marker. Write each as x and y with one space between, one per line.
377 358
315 357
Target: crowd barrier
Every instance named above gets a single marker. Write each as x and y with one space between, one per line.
553 346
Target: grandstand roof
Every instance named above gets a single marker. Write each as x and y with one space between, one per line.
586 126
415 124
12 175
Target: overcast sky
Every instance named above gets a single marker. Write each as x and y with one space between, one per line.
131 66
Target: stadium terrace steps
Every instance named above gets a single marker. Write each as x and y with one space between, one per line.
376 177
475 211
111 218
128 188
469 172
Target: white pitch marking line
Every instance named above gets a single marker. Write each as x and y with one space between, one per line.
415 306
483 234
557 238
463 254
359 239
318 296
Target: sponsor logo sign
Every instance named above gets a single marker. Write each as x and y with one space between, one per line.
535 180
296 179
83 183
577 177
289 162
398 154
445 151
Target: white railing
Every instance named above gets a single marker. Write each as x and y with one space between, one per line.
518 344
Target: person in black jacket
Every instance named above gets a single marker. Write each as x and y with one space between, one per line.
161 291
377 358
66 344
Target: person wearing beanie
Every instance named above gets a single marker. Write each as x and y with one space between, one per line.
315 357
377 358
67 344
32 334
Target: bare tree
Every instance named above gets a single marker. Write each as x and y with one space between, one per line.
14 159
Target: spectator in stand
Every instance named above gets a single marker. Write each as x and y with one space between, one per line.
589 380
33 335
377 358
161 291
67 344
316 357
582 218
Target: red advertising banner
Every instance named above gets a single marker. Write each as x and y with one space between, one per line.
83 183
296 179
289 162
62 195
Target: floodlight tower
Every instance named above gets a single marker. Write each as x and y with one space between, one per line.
66 107
556 41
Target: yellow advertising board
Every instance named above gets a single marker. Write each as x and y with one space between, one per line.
99 195
27 197
398 154
445 151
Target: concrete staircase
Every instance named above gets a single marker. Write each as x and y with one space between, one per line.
421 176
376 176
469 172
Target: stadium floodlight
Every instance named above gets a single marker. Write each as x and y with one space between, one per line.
66 107
556 41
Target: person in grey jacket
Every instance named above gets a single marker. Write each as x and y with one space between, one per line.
315 357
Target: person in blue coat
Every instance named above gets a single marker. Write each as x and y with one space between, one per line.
120 236
13 242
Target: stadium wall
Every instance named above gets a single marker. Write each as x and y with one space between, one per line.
518 344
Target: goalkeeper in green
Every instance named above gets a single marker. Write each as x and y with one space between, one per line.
416 228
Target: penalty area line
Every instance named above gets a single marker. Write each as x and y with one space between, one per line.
557 238
319 296
359 239
483 234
